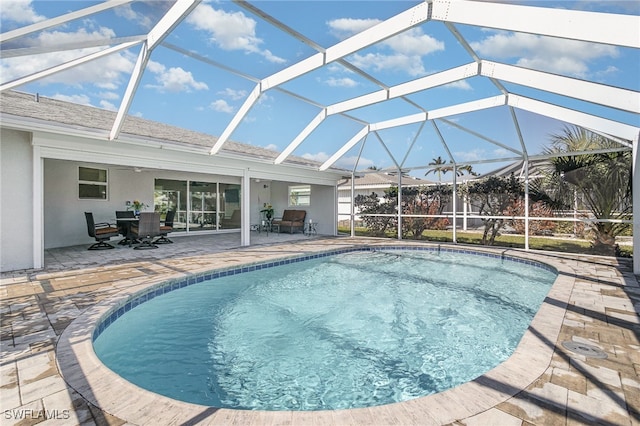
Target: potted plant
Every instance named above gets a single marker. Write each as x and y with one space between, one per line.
137 206
267 211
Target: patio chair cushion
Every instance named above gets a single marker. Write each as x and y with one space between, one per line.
291 220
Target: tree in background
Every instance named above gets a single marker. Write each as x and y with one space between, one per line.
493 197
423 200
536 209
442 168
603 179
371 205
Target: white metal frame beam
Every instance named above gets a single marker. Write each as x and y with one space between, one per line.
424 83
607 28
610 96
392 26
595 123
63 19
65 66
168 22
588 121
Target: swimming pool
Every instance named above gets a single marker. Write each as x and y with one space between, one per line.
435 348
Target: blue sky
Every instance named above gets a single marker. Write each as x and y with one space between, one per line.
182 91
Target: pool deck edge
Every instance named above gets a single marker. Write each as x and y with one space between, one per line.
507 393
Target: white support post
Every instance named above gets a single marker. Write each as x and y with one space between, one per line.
399 203
636 204
352 216
455 203
38 214
465 203
245 209
526 204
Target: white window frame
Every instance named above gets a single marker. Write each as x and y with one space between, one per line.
295 198
105 184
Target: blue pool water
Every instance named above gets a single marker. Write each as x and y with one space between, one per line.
351 330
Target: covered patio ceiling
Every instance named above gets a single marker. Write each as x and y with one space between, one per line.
405 82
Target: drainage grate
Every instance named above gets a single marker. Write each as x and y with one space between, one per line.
584 349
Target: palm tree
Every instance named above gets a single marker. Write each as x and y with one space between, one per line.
603 179
443 168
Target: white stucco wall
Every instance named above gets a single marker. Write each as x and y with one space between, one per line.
64 223
16 209
322 208
62 212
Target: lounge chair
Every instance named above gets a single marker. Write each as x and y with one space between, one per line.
292 220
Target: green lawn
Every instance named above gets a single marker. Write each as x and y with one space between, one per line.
568 245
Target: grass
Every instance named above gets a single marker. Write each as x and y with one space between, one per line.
567 245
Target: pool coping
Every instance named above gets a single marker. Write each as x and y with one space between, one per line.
86 374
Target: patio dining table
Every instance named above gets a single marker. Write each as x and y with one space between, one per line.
128 222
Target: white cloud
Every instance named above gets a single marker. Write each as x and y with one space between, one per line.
233 94
108 105
412 65
472 155
20 11
112 96
272 147
350 162
401 53
460 84
318 156
343 28
127 12
341 82
568 57
221 105
108 72
173 80
230 31
414 42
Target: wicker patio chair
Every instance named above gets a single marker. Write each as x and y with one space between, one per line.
166 228
147 228
101 231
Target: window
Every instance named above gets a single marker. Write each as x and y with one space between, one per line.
300 195
92 183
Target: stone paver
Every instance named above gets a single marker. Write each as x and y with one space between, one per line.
595 301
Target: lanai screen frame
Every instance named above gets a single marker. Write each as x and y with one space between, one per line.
595 27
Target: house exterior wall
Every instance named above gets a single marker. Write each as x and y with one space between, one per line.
322 208
16 207
62 211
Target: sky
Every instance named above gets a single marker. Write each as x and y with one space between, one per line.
237 48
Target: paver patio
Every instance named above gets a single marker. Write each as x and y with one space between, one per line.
595 301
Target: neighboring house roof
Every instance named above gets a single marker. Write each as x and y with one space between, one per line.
82 117
381 180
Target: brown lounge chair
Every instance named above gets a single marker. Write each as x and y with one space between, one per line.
292 220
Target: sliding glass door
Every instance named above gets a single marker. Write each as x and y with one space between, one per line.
199 206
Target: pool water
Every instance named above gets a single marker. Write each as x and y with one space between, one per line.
352 330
